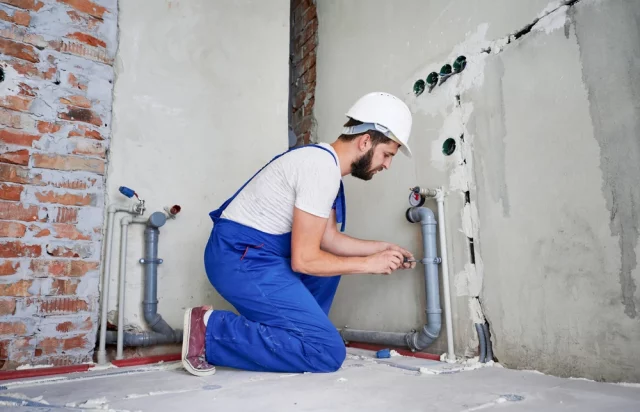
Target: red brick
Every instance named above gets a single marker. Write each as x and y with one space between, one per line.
17 174
13 328
19 50
19 288
82 130
86 6
66 327
69 199
46 127
17 211
34 5
89 147
87 39
93 134
76 251
70 183
66 215
26 90
4 349
74 82
17 103
62 268
7 307
64 286
8 268
84 19
82 50
40 232
19 249
19 17
63 162
12 229
79 114
79 101
65 231
48 346
76 342
61 306
10 192
17 137
15 120
18 157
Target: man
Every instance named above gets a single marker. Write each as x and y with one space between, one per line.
276 255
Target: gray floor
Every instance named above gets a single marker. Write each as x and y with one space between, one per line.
364 383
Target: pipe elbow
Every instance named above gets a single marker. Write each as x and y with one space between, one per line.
421 340
157 220
422 215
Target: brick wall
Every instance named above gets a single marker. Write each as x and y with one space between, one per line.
304 39
55 118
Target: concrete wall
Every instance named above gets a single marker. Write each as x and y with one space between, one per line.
546 131
359 52
198 84
558 156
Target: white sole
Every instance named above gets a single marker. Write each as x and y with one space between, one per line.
185 348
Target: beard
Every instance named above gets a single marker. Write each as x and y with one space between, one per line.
361 168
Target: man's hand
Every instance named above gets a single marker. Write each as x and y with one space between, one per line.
384 262
405 254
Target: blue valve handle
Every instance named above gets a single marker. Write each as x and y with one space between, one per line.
127 192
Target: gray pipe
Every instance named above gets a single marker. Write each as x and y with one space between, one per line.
483 343
487 339
162 332
415 340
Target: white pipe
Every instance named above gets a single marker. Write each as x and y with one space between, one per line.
122 281
122 274
451 357
106 278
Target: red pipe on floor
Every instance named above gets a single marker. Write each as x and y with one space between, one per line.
403 352
59 370
173 357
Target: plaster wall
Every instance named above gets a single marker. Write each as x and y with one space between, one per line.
557 161
201 97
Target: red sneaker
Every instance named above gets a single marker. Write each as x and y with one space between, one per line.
193 343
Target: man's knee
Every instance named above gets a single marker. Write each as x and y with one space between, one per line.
332 353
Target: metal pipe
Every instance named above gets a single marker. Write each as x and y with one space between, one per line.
445 274
106 278
124 225
483 343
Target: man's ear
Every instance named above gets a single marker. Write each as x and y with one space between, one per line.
364 142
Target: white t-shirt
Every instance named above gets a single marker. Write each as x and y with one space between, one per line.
307 178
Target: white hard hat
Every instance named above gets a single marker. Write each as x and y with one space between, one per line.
385 113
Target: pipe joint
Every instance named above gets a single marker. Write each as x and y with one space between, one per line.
422 215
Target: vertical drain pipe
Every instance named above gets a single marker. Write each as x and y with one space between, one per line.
415 340
161 332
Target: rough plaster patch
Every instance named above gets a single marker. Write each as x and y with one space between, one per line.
616 125
476 311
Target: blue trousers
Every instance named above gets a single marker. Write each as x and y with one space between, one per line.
282 324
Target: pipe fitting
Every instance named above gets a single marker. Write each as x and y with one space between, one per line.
157 220
422 215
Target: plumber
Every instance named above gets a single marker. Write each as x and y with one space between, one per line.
275 252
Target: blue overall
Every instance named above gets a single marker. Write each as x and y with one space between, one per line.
283 324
